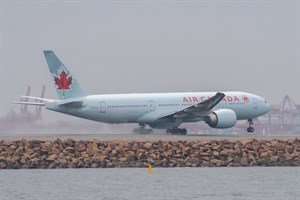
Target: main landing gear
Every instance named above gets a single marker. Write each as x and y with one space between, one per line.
142 130
250 129
176 131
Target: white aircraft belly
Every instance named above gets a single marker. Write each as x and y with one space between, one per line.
104 108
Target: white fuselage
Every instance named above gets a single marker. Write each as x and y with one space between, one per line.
148 108
158 110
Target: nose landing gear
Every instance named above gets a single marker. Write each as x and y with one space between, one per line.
142 130
250 129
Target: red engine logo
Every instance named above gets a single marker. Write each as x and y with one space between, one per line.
245 98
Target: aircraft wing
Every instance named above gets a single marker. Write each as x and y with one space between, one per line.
200 109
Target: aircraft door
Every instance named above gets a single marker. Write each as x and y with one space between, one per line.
255 106
152 105
102 107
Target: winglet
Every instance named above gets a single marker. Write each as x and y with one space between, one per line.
212 102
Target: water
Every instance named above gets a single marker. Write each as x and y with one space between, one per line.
164 183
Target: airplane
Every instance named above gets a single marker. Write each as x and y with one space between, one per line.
157 110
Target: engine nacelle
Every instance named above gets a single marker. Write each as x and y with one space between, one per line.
223 118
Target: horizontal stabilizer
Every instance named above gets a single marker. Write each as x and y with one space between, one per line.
28 103
37 98
72 104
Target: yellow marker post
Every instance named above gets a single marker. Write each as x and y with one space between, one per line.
149 169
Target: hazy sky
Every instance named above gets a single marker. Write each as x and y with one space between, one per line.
160 46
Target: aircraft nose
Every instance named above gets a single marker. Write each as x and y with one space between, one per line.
268 107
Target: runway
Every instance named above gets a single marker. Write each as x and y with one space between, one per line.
136 137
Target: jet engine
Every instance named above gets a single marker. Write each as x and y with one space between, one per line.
223 118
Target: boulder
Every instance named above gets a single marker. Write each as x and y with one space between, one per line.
216 154
289 149
95 165
224 153
9 151
215 162
147 145
46 146
115 152
204 154
34 163
275 159
29 150
51 157
123 159
244 161
167 153
265 154
16 165
179 162
3 165
54 150
81 147
2 158
69 142
217 148
90 152
94 146
69 149
57 141
152 155
53 165
7 143
62 161
193 160
20 150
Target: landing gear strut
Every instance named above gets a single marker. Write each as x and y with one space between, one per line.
250 129
142 130
176 131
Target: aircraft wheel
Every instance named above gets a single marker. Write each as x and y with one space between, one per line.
183 131
149 131
250 129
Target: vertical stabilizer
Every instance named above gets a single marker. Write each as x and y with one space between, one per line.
65 83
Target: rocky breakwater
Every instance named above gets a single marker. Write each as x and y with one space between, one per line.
95 154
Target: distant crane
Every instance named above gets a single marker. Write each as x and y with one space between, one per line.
24 106
39 108
25 116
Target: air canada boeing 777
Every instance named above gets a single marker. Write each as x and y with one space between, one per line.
157 110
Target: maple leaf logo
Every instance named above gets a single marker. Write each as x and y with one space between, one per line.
245 98
63 82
